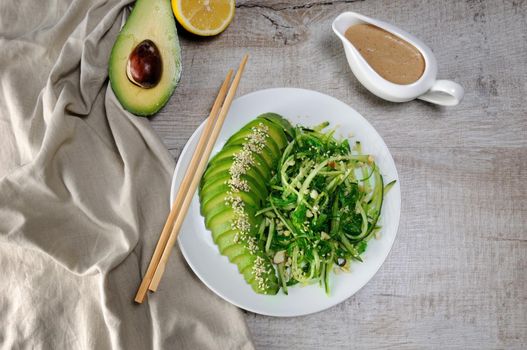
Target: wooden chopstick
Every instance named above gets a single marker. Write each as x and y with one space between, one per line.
189 192
189 174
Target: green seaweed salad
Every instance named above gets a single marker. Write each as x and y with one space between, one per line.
324 205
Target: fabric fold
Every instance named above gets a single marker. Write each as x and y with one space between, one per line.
83 197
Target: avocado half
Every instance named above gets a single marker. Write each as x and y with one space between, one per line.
150 20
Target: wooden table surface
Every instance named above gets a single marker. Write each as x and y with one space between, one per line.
457 274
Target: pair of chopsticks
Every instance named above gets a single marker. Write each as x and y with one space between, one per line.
190 182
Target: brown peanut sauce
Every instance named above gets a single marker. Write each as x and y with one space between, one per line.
391 57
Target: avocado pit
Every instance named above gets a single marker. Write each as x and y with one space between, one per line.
145 67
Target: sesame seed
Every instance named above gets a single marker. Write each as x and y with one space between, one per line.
242 162
258 271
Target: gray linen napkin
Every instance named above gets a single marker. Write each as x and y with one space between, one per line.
83 197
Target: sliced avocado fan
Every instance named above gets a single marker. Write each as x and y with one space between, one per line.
232 191
144 81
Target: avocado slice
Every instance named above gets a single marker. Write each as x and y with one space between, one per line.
277 139
227 210
279 121
269 145
223 165
223 168
256 185
221 222
216 188
151 21
228 152
225 240
211 205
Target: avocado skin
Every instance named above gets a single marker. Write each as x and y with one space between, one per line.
147 16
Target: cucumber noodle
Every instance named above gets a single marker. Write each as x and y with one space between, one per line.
323 207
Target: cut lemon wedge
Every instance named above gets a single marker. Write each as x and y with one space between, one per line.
204 17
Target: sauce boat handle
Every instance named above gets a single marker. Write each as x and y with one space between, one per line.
444 93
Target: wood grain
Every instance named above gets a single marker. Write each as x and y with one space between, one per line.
457 274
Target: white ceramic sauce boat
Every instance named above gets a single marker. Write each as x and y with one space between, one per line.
427 88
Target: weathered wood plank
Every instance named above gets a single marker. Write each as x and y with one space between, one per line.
481 45
456 276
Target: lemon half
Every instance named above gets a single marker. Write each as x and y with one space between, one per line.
204 17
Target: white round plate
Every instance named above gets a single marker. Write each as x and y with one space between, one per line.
299 107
